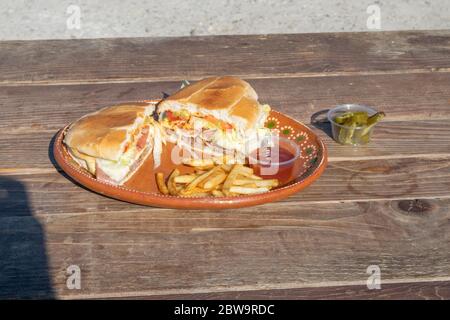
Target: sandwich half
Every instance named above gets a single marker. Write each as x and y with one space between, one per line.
113 142
220 114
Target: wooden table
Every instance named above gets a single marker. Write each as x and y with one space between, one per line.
386 204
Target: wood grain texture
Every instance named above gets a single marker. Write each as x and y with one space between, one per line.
247 56
160 252
349 181
403 97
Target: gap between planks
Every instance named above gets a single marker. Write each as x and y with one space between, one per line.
18 83
429 156
276 286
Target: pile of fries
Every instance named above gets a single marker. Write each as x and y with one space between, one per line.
216 180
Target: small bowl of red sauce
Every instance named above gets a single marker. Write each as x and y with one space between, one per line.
277 158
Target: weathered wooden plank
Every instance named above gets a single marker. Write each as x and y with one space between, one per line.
162 252
402 97
248 56
52 193
436 290
402 139
397 139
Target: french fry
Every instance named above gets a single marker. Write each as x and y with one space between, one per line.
244 190
187 178
217 193
226 167
161 184
232 176
190 187
248 185
171 185
239 181
218 181
246 172
197 192
270 183
199 163
214 180
204 168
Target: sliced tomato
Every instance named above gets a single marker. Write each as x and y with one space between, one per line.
218 123
226 126
171 116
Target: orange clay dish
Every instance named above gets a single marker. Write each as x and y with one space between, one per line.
153 129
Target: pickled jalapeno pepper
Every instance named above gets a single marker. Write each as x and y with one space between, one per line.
354 126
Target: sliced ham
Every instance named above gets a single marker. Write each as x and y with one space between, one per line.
140 144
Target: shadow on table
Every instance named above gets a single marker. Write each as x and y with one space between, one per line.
23 259
320 121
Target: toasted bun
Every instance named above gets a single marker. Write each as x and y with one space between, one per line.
103 134
227 98
85 161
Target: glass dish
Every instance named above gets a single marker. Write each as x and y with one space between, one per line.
356 135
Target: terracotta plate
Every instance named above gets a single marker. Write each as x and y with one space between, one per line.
142 189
